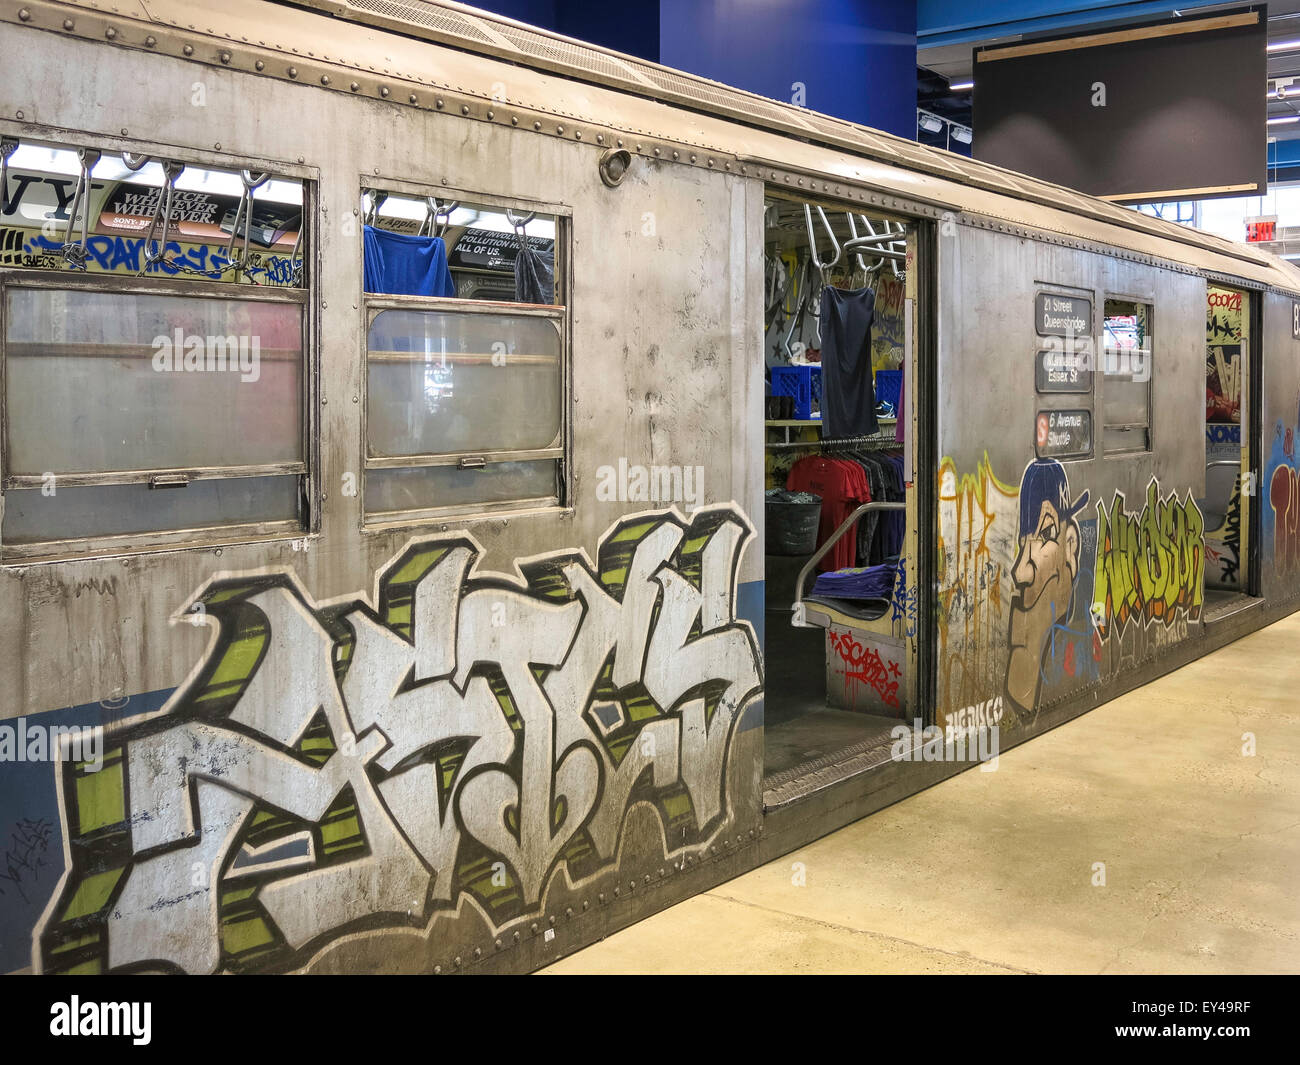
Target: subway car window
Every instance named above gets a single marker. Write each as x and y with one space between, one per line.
1127 369
153 345
465 357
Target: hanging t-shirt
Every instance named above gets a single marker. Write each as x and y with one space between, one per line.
398 264
848 390
842 486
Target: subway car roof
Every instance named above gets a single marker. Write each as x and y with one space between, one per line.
500 63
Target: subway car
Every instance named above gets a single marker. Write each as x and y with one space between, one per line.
465 490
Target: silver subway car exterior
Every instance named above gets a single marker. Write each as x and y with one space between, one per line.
293 690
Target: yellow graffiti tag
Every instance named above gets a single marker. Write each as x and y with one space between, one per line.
1149 564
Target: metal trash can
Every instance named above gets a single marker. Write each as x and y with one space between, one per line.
792 522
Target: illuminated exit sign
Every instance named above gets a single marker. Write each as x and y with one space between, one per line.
1261 229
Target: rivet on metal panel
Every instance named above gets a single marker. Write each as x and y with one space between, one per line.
225 57
533 928
631 885
324 79
216 552
568 911
383 90
677 155
517 937
801 182
413 98
478 952
617 892
68 24
647 878
577 134
657 152
355 86
498 942
188 49
692 157
150 41
293 72
110 33
24 14
585 904
464 109
19 115
491 114
600 138
217 146
600 897
559 129
456 961
124 131
514 120
259 65
551 919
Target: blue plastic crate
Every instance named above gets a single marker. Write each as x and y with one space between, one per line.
889 387
802 382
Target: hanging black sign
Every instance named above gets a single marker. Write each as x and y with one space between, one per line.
484 249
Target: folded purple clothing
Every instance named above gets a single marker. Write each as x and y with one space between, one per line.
869 582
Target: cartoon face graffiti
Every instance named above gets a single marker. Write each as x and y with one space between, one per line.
1044 573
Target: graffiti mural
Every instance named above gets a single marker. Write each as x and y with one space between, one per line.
1284 501
334 768
1150 565
112 254
857 666
977 547
1281 518
1037 600
1044 575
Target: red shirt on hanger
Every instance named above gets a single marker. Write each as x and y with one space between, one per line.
842 486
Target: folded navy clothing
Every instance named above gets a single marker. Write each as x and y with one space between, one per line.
870 582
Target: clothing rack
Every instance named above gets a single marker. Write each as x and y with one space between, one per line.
842 443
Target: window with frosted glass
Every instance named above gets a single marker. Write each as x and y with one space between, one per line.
140 412
462 408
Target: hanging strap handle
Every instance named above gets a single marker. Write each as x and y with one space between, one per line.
822 267
8 145
244 213
74 251
155 241
521 225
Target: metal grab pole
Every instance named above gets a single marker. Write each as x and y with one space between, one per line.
798 620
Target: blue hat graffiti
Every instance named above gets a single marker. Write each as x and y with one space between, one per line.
1045 479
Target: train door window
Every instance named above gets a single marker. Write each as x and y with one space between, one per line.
1126 372
154 323
466 331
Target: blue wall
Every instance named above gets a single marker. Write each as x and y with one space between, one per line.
854 58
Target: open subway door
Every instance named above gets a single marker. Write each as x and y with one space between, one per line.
841 529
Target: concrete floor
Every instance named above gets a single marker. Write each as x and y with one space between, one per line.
993 872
